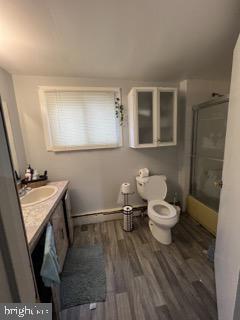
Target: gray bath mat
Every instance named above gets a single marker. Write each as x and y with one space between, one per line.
83 279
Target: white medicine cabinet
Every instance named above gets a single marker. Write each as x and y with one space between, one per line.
152 117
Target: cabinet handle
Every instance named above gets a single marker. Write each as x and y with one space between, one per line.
62 233
218 184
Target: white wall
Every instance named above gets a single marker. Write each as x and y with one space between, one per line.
227 255
89 171
7 94
192 92
95 175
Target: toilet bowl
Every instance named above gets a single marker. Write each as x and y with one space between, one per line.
162 215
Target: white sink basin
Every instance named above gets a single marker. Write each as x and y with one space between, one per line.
38 195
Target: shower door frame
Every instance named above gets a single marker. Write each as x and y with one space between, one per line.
204 214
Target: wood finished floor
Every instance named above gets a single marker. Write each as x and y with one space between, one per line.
147 280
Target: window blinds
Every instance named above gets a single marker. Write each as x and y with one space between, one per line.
84 119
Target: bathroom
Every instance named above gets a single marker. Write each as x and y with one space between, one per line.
43 65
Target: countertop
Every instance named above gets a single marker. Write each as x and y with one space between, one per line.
37 216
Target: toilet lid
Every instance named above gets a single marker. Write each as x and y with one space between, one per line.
156 188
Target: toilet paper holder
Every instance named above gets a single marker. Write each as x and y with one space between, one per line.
126 197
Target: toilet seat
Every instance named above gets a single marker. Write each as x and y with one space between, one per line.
168 211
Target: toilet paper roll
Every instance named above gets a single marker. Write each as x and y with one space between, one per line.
144 172
125 187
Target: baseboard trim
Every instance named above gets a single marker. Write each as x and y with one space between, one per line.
106 215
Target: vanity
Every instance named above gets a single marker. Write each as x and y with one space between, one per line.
40 206
38 215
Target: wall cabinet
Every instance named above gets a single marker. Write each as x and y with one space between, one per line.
152 117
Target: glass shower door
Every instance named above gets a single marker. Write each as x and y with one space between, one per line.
209 131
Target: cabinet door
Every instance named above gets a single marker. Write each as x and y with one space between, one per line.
145 108
167 116
60 234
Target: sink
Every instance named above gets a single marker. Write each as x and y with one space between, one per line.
38 195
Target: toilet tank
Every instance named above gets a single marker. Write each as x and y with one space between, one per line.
141 182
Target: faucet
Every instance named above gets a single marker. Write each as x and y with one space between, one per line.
23 191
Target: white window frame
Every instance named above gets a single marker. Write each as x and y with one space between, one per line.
46 124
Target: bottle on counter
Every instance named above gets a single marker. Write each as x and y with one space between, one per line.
28 173
35 175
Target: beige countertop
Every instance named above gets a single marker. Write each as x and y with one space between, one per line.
37 216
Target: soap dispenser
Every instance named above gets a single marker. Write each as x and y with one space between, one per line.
28 173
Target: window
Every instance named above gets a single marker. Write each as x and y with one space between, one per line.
80 118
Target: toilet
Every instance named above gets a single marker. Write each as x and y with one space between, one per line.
162 215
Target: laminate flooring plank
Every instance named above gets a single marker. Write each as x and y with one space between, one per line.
146 299
119 230
164 313
165 286
186 284
117 264
194 225
123 306
136 306
179 292
133 257
110 307
85 312
74 313
110 275
97 234
154 288
99 312
140 229
203 275
195 248
174 251
207 299
128 273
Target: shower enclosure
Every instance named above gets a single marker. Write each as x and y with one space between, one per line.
208 142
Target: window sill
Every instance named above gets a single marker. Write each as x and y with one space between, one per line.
82 148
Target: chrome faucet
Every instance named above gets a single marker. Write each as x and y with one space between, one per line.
23 191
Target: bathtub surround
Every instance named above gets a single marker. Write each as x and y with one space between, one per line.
192 92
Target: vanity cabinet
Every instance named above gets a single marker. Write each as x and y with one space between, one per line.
152 117
60 233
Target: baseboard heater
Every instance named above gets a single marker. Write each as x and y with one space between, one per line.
135 208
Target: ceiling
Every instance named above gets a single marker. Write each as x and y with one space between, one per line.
123 39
